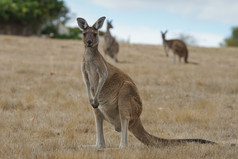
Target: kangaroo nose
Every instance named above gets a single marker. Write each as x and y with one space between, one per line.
89 42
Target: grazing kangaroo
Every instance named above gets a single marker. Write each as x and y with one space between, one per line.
113 95
111 47
178 47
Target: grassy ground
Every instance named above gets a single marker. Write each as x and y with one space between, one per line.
45 112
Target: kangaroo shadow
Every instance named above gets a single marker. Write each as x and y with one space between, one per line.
193 63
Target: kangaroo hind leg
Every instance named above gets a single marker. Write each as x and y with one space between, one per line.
129 109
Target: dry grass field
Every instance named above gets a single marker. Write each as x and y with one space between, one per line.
45 112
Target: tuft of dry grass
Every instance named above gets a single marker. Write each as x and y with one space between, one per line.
45 112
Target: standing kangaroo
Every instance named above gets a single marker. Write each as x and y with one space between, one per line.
111 47
113 95
178 47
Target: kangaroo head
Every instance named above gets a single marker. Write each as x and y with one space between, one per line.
163 34
90 33
109 24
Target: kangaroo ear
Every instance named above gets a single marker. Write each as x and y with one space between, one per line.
99 23
165 31
82 23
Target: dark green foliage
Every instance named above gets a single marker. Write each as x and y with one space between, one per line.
101 33
30 14
30 11
233 40
49 29
73 33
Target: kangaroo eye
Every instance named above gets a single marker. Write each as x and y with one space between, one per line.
95 34
84 34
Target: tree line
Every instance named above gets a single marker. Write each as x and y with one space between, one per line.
34 17
233 39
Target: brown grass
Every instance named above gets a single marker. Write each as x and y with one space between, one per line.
45 113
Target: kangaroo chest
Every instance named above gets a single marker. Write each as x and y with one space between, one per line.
90 69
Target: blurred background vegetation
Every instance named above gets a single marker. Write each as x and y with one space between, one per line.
36 17
233 39
49 18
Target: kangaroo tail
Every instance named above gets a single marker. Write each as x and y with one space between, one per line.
141 134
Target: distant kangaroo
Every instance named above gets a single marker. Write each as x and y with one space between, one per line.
178 47
111 47
113 95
